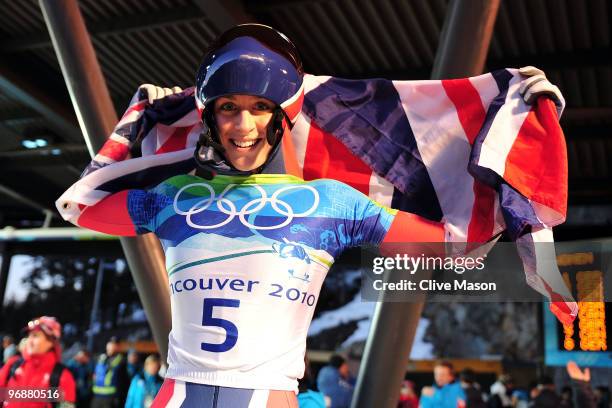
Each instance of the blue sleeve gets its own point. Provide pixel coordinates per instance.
(144, 207)
(364, 221)
(132, 400)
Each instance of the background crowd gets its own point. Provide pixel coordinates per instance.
(114, 379)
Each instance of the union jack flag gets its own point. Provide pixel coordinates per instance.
(467, 152)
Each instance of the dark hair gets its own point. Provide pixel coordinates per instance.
(307, 381)
(467, 375)
(336, 360)
(153, 358)
(445, 363)
(546, 380)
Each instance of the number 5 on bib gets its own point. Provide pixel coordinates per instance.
(230, 328)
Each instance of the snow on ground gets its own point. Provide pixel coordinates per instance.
(360, 311)
(16, 291)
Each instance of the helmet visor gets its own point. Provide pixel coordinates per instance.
(274, 40)
(243, 62)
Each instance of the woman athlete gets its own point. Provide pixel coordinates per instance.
(248, 247)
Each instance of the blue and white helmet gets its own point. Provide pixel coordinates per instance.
(252, 59)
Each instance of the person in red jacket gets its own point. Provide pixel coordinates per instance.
(39, 367)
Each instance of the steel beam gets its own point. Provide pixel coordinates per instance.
(18, 113)
(53, 234)
(110, 27)
(224, 14)
(463, 48)
(97, 117)
(8, 133)
(596, 57)
(55, 155)
(60, 117)
(465, 38)
(9, 192)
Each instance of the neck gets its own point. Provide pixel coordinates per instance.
(210, 163)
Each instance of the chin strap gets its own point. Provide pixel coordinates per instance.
(275, 131)
(209, 151)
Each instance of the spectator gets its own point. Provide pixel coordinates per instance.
(533, 391)
(473, 394)
(82, 369)
(307, 397)
(602, 396)
(520, 398)
(334, 382)
(446, 392)
(22, 345)
(585, 397)
(567, 397)
(547, 396)
(501, 392)
(110, 378)
(133, 364)
(9, 348)
(40, 365)
(408, 397)
(145, 385)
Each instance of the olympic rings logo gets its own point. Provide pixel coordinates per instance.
(227, 207)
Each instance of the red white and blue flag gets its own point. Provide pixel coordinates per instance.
(467, 152)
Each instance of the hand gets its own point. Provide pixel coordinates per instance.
(537, 85)
(576, 374)
(151, 93)
(427, 391)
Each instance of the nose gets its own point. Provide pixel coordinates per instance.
(245, 122)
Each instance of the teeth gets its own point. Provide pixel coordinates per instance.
(246, 143)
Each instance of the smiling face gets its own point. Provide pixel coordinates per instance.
(242, 122)
(443, 375)
(38, 343)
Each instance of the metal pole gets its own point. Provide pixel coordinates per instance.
(97, 117)
(465, 39)
(462, 51)
(6, 191)
(93, 318)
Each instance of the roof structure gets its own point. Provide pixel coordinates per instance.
(162, 42)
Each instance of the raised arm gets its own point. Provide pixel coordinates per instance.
(125, 213)
(110, 216)
(368, 222)
(407, 227)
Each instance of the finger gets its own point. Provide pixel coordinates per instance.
(537, 89)
(161, 92)
(143, 91)
(176, 89)
(167, 91)
(146, 86)
(152, 93)
(529, 82)
(587, 374)
(543, 88)
(530, 70)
